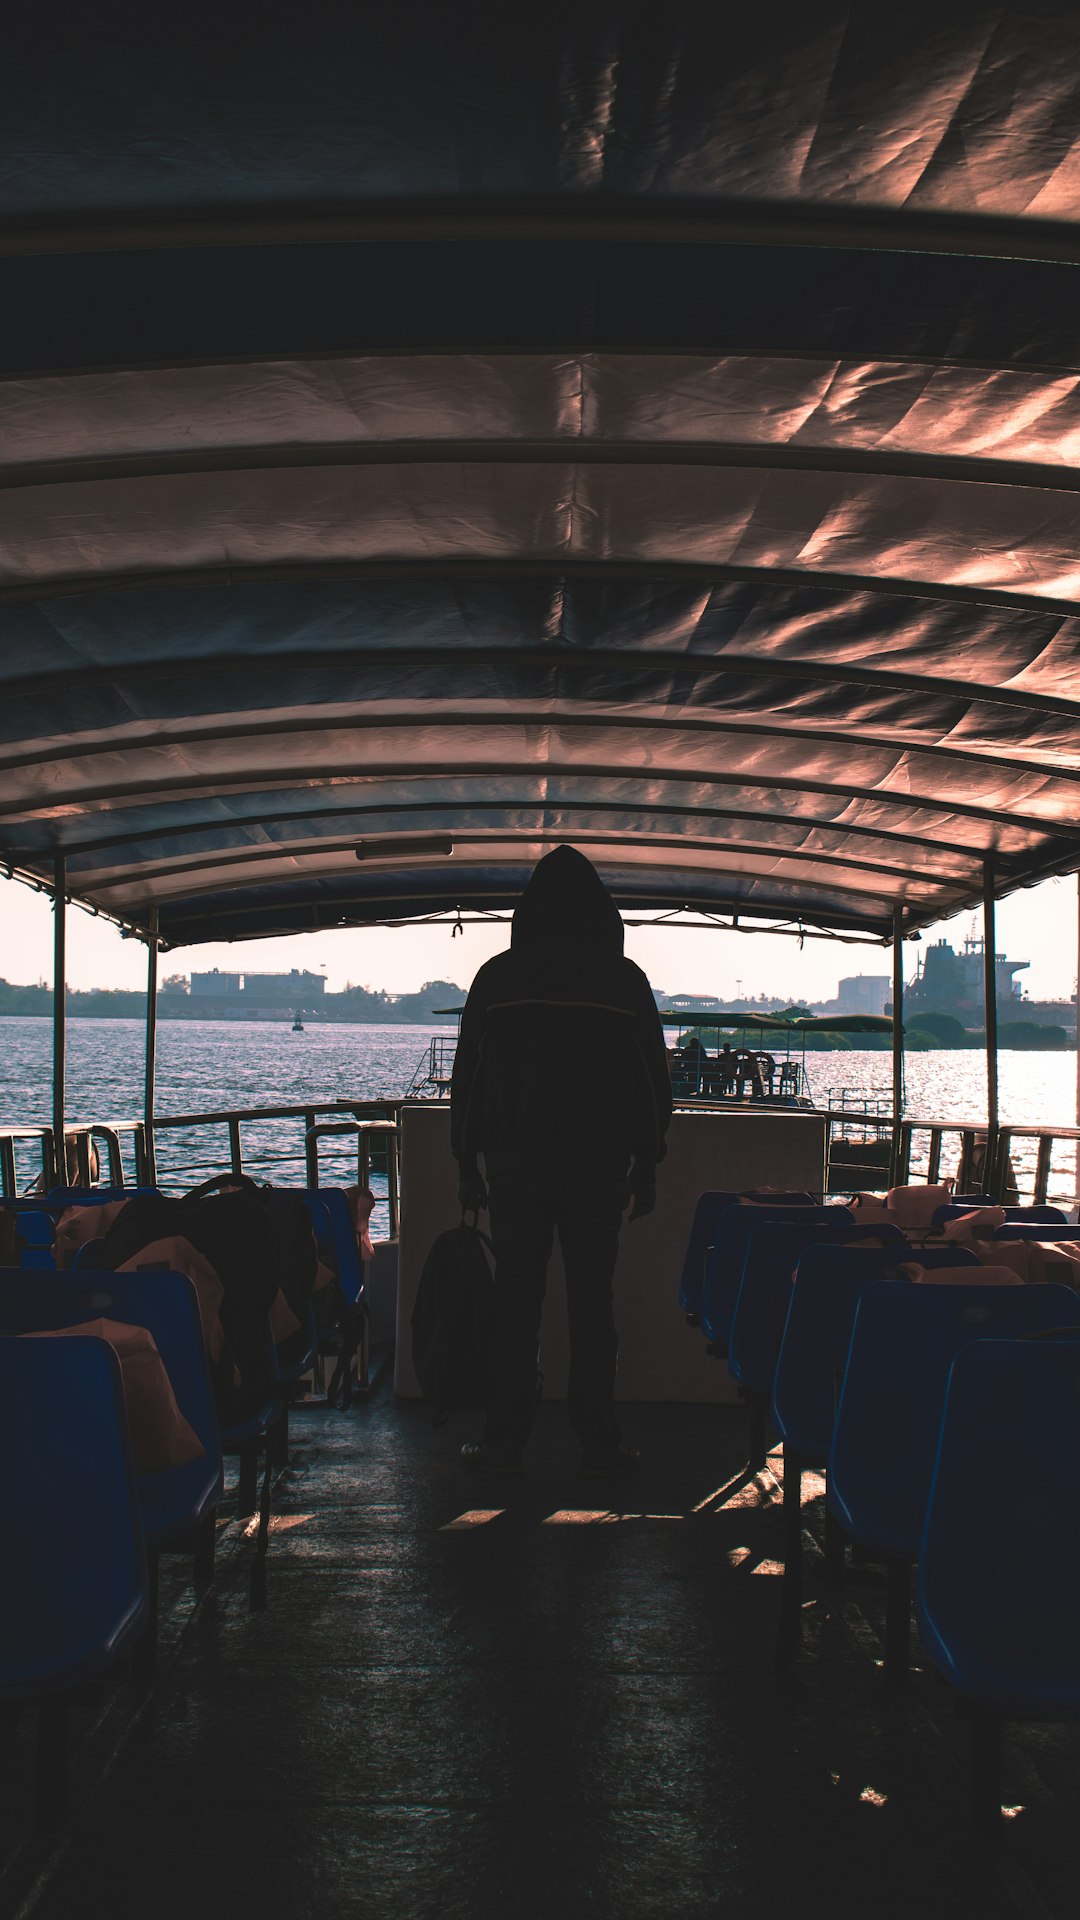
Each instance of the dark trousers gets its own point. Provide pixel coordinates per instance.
(525, 1212)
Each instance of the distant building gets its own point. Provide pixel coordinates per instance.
(215, 986)
(293, 989)
(254, 996)
(862, 993)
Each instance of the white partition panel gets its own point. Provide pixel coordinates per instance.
(660, 1357)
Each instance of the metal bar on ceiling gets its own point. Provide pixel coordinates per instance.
(360, 810)
(676, 222)
(778, 456)
(799, 672)
(296, 850)
(369, 718)
(219, 782)
(655, 571)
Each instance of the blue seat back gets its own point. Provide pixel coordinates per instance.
(903, 1343)
(328, 1205)
(773, 1253)
(35, 1235)
(75, 1581)
(167, 1305)
(724, 1267)
(999, 1560)
(955, 1209)
(702, 1228)
(59, 1197)
(1025, 1230)
(817, 1334)
(87, 1256)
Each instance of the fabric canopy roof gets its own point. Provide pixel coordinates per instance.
(450, 434)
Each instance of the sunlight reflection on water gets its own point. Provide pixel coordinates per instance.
(209, 1064)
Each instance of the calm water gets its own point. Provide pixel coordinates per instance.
(208, 1064)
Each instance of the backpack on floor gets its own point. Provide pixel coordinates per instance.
(451, 1323)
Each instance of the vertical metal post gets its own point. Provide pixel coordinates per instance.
(990, 1181)
(150, 1062)
(897, 1038)
(59, 1061)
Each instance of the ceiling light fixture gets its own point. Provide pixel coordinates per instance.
(404, 847)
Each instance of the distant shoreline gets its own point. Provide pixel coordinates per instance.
(274, 1016)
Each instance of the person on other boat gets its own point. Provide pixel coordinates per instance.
(561, 1083)
(748, 1074)
(727, 1064)
(694, 1062)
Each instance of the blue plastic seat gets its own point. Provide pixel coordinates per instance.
(87, 1257)
(346, 1339)
(772, 1255)
(35, 1237)
(829, 1282)
(956, 1208)
(724, 1268)
(60, 1197)
(903, 1343)
(178, 1504)
(757, 1323)
(692, 1279)
(999, 1562)
(1031, 1230)
(75, 1596)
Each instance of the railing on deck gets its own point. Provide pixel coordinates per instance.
(1041, 1163)
(288, 1137)
(95, 1154)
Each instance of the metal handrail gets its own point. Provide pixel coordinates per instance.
(365, 1131)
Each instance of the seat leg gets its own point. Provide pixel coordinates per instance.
(789, 1633)
(835, 1542)
(249, 1477)
(205, 1550)
(985, 1773)
(280, 1437)
(52, 1764)
(898, 1623)
(759, 1432)
(144, 1654)
(257, 1584)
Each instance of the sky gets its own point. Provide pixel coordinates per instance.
(1038, 924)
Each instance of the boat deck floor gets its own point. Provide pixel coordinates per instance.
(544, 1697)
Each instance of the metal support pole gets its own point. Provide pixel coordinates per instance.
(990, 1180)
(150, 1063)
(897, 1038)
(59, 1062)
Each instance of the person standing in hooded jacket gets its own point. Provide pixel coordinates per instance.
(561, 1083)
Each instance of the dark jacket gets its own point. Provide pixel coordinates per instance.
(561, 1061)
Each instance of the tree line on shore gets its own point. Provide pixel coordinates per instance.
(357, 1004)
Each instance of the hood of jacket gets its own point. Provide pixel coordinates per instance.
(565, 899)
